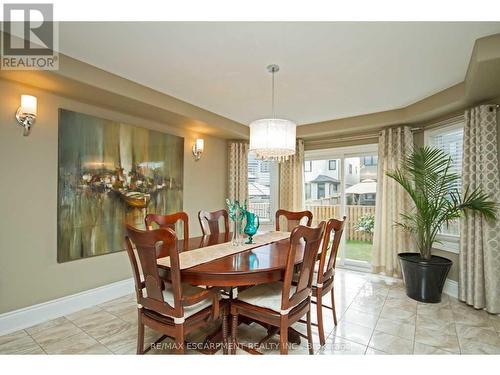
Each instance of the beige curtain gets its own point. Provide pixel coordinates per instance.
(292, 180)
(388, 240)
(238, 170)
(479, 259)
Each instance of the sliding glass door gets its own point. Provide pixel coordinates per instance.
(342, 182)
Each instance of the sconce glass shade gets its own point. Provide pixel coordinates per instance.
(26, 113)
(200, 145)
(28, 105)
(273, 139)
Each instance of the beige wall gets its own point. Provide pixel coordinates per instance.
(30, 273)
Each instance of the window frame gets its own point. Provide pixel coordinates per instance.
(334, 165)
(449, 242)
(341, 154)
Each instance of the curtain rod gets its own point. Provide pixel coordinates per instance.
(355, 137)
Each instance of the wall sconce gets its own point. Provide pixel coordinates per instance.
(198, 147)
(26, 113)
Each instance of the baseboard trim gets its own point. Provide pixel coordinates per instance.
(29, 316)
(451, 288)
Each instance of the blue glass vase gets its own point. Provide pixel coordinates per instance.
(251, 226)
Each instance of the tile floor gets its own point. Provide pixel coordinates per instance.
(375, 317)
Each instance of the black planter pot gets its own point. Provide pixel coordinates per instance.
(424, 279)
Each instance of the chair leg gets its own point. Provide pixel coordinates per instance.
(140, 335)
(179, 338)
(224, 330)
(234, 333)
(333, 307)
(319, 314)
(310, 343)
(284, 335)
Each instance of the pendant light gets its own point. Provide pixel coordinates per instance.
(273, 138)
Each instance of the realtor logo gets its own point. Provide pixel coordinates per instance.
(29, 38)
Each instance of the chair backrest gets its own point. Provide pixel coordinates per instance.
(293, 219)
(310, 240)
(151, 245)
(330, 249)
(209, 221)
(169, 221)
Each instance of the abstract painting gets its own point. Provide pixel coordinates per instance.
(111, 174)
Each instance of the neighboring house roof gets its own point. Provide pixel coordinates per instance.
(364, 187)
(256, 189)
(323, 178)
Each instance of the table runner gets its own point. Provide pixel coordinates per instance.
(206, 254)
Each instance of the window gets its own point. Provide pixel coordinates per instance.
(334, 193)
(369, 161)
(262, 187)
(308, 166)
(449, 139)
(321, 190)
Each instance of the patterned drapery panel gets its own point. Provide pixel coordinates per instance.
(388, 240)
(479, 260)
(238, 170)
(292, 180)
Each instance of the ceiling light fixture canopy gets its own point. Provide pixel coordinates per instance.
(273, 138)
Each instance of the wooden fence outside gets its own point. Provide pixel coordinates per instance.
(325, 212)
(261, 209)
(353, 214)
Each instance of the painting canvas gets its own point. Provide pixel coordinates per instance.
(111, 174)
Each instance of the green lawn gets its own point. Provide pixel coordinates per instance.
(358, 250)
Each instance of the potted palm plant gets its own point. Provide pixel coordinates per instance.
(428, 178)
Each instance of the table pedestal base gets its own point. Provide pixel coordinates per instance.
(214, 342)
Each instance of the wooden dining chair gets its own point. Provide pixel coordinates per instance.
(281, 304)
(209, 221)
(293, 219)
(323, 279)
(173, 308)
(170, 221)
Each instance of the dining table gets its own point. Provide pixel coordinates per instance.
(262, 262)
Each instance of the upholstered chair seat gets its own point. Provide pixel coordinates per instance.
(187, 290)
(265, 295)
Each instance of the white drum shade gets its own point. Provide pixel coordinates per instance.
(273, 138)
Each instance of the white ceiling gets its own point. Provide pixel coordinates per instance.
(328, 70)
